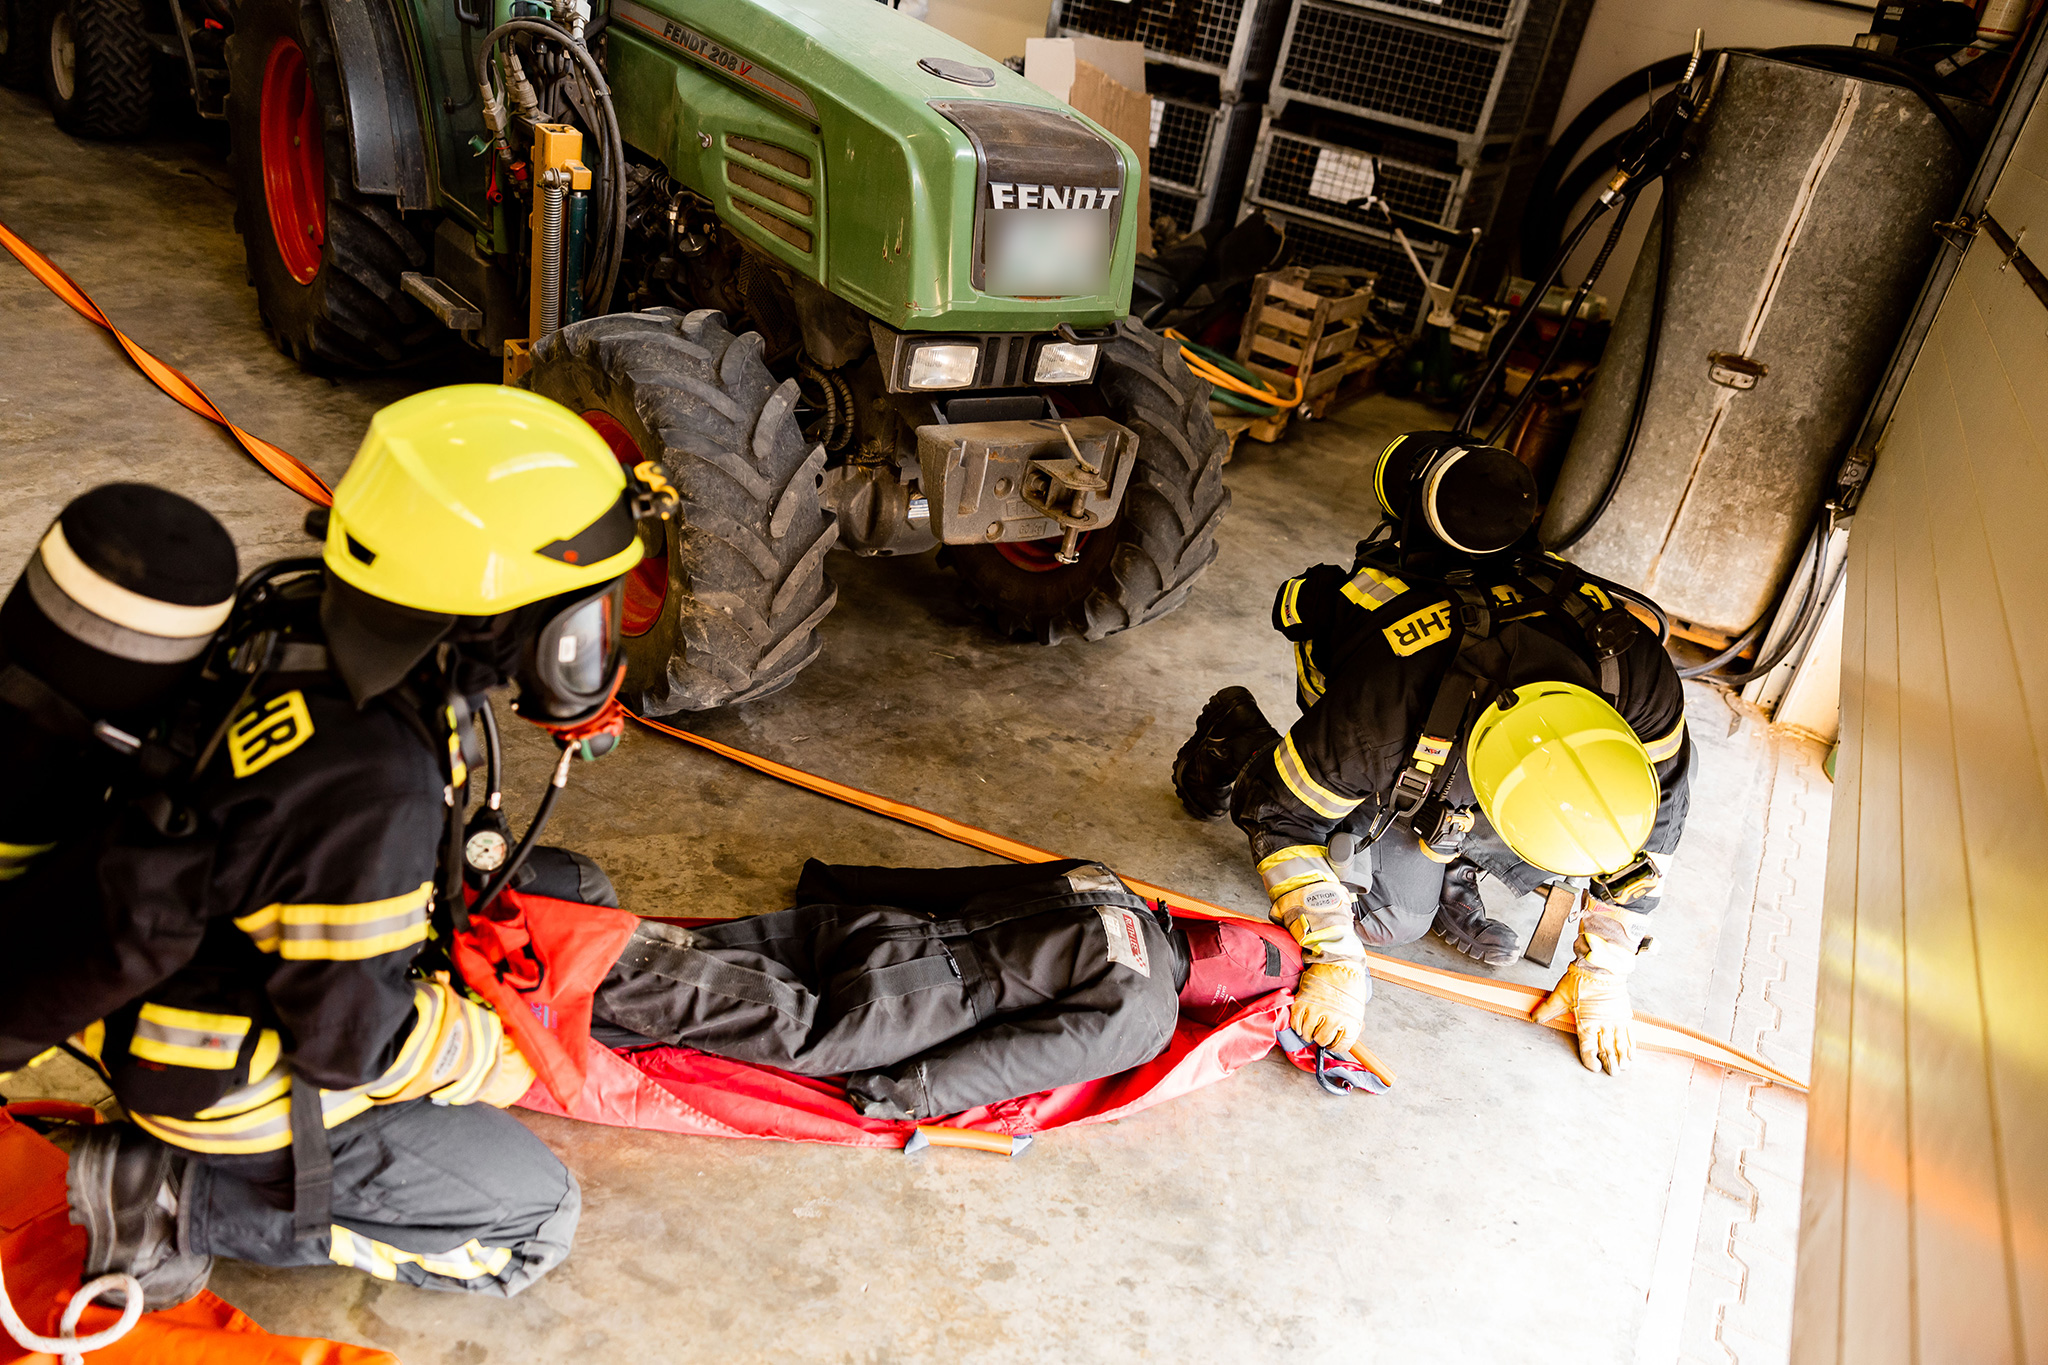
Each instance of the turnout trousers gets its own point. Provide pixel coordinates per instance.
(1399, 901)
(455, 1198)
(1004, 982)
(459, 1198)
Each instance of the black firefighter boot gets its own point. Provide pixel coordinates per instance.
(1461, 918)
(1229, 733)
(125, 1190)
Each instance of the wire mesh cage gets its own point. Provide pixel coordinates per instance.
(1177, 208)
(1398, 294)
(1432, 80)
(1494, 18)
(1199, 155)
(1471, 82)
(1298, 172)
(1233, 39)
(1182, 132)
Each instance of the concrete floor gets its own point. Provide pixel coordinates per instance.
(1499, 1204)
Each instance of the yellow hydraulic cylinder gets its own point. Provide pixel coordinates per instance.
(558, 171)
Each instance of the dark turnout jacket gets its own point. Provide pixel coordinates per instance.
(931, 990)
(1371, 649)
(281, 929)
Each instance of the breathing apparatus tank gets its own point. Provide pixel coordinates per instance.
(111, 616)
(1446, 492)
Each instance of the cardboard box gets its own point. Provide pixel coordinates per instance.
(1104, 80)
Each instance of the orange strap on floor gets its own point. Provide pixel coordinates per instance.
(285, 468)
(1498, 997)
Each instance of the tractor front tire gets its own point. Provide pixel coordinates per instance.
(96, 67)
(324, 258)
(1164, 538)
(727, 611)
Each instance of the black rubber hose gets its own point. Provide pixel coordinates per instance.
(1810, 603)
(1855, 60)
(1564, 329)
(527, 843)
(1747, 639)
(603, 275)
(494, 756)
(1667, 218)
(1523, 314)
(1541, 223)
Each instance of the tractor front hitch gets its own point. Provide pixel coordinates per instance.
(992, 482)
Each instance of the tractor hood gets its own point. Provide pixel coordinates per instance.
(901, 169)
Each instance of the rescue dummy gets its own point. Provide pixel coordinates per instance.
(236, 946)
(933, 991)
(1469, 704)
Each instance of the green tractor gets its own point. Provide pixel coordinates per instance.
(848, 284)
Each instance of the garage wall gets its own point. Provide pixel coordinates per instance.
(1925, 1228)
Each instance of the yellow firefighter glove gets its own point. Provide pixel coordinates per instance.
(1329, 1004)
(456, 1054)
(1313, 906)
(1595, 989)
(511, 1078)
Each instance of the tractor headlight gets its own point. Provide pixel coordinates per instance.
(1061, 362)
(949, 365)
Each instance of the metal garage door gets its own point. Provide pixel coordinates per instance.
(1925, 1229)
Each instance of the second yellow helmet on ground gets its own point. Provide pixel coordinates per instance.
(475, 499)
(1563, 779)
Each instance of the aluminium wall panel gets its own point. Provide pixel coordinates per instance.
(1925, 1223)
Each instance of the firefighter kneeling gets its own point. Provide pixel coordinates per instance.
(238, 941)
(1469, 704)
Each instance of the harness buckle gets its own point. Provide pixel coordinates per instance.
(1410, 791)
(1631, 883)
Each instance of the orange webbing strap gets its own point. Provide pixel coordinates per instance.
(1499, 997)
(284, 467)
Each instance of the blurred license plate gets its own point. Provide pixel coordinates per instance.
(1048, 253)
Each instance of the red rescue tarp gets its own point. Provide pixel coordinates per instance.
(682, 1090)
(43, 1254)
(538, 967)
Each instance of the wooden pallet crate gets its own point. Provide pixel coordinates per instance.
(1306, 322)
(1236, 425)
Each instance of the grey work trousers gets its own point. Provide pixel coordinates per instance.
(460, 1198)
(1400, 898)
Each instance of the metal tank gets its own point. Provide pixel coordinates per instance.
(1802, 231)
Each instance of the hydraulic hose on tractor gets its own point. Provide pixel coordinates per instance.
(1496, 997)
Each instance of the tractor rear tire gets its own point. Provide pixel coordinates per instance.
(1164, 538)
(324, 258)
(728, 610)
(96, 67)
(22, 43)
